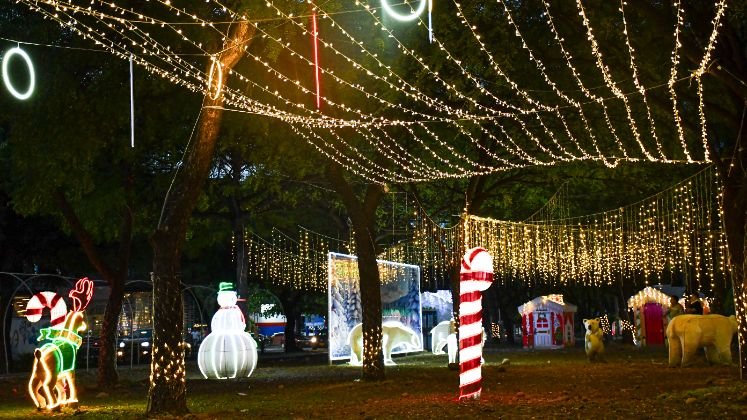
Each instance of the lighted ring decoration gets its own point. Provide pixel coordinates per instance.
(219, 83)
(6, 76)
(399, 16)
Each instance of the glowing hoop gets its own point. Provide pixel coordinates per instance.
(6, 77)
(399, 16)
(219, 84)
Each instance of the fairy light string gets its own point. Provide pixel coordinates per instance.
(673, 76)
(522, 129)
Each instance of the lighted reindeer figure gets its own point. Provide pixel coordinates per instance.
(52, 381)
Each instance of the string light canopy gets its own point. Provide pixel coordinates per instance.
(373, 101)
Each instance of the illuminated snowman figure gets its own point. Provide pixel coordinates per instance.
(228, 351)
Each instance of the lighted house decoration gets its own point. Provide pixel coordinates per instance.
(649, 308)
(52, 382)
(547, 322)
(228, 351)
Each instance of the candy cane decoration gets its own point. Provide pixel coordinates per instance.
(51, 300)
(475, 276)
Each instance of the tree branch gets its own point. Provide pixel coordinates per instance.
(84, 237)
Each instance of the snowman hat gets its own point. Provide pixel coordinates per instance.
(226, 286)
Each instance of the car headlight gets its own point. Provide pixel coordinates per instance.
(144, 344)
(121, 344)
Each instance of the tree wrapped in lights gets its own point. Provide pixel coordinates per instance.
(228, 351)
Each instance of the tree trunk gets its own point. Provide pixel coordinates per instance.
(363, 215)
(454, 279)
(107, 367)
(168, 387)
(734, 207)
(289, 299)
(240, 253)
(368, 270)
(6, 289)
(168, 392)
(107, 370)
(242, 266)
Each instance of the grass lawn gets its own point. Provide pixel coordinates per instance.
(554, 383)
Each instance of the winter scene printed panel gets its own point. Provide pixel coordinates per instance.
(400, 301)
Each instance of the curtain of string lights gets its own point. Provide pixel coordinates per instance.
(675, 233)
(512, 125)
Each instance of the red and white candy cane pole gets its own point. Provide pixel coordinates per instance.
(475, 276)
(51, 300)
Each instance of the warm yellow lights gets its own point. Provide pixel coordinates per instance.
(649, 295)
(514, 126)
(215, 76)
(676, 231)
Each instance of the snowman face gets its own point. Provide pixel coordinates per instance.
(227, 298)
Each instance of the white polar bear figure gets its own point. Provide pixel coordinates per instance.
(439, 337)
(393, 333)
(687, 333)
(453, 347)
(444, 334)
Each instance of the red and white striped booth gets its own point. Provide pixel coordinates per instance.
(547, 322)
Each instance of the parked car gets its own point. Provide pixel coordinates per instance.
(303, 341)
(138, 347)
(277, 339)
(135, 348)
(318, 341)
(314, 341)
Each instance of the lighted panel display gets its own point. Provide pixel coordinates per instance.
(400, 301)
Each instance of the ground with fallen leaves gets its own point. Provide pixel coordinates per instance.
(552, 383)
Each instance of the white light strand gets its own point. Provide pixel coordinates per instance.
(610, 82)
(637, 83)
(162, 60)
(720, 10)
(673, 77)
(541, 67)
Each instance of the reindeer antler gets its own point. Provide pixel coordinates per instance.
(81, 294)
